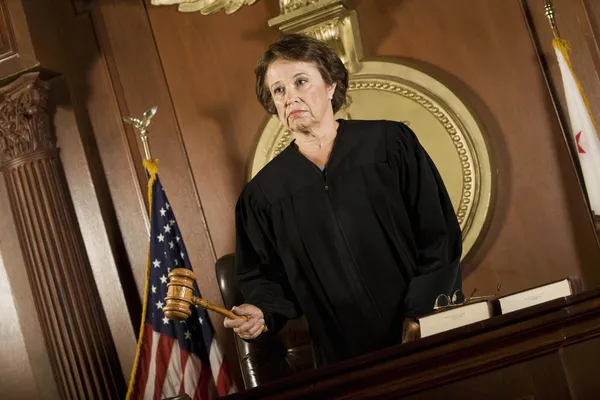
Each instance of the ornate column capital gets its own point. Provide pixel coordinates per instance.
(24, 122)
(332, 21)
(287, 6)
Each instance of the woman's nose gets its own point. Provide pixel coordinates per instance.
(291, 96)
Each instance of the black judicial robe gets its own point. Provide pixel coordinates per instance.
(357, 247)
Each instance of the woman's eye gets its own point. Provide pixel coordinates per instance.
(300, 82)
(278, 90)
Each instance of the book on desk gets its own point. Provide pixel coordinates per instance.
(452, 316)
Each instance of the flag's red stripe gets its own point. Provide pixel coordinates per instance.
(223, 380)
(143, 368)
(184, 357)
(163, 356)
(202, 392)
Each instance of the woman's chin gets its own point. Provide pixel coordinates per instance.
(299, 124)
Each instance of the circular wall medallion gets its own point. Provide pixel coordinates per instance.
(444, 125)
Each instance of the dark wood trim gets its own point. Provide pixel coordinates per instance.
(448, 357)
(594, 41)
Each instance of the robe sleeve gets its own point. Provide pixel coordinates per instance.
(259, 269)
(435, 228)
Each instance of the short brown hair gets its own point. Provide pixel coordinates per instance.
(299, 47)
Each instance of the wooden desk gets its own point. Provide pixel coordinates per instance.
(550, 351)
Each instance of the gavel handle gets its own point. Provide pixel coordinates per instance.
(209, 306)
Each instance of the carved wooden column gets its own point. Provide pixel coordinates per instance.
(80, 347)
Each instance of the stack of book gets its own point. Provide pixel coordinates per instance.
(456, 315)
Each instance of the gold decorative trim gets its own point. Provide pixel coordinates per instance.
(205, 7)
(24, 121)
(287, 6)
(457, 137)
(327, 20)
(471, 159)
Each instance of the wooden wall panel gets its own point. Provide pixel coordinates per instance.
(483, 51)
(540, 230)
(198, 69)
(136, 71)
(209, 67)
(16, 51)
(127, 56)
(137, 77)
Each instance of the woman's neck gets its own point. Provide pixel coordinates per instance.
(317, 139)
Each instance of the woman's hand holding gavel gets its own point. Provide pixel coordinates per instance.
(250, 328)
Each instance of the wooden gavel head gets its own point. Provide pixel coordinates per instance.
(180, 294)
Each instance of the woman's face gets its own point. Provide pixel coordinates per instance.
(301, 96)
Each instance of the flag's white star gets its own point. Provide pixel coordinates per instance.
(165, 320)
(156, 263)
(200, 320)
(161, 238)
(153, 289)
(163, 212)
(163, 279)
(176, 262)
(172, 222)
(168, 269)
(159, 305)
(178, 238)
(167, 228)
(171, 244)
(188, 335)
(182, 255)
(167, 205)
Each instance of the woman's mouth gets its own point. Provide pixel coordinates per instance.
(295, 113)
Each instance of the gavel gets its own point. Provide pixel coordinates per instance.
(180, 296)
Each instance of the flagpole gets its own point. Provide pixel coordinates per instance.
(142, 126)
(549, 12)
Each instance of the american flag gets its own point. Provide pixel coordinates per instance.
(173, 357)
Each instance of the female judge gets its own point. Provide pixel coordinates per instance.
(350, 225)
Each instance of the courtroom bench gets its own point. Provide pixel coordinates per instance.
(549, 351)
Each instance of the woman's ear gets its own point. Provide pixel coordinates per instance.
(331, 90)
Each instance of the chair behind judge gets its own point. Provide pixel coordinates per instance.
(266, 360)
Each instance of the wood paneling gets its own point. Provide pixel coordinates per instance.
(517, 356)
(210, 75)
(126, 56)
(540, 229)
(198, 70)
(484, 52)
(16, 51)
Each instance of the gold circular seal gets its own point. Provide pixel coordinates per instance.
(444, 125)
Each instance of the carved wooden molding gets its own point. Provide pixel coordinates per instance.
(76, 333)
(287, 6)
(207, 7)
(24, 123)
(331, 21)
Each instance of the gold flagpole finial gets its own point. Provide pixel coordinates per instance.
(549, 12)
(142, 126)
